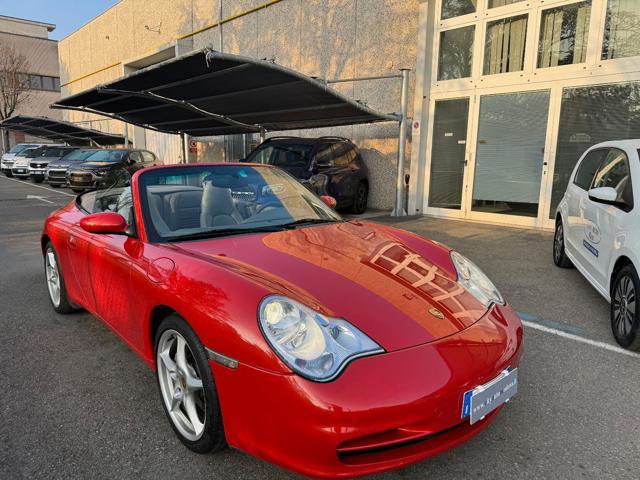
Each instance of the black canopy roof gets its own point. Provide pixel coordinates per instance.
(60, 131)
(210, 93)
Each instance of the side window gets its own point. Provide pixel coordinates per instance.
(588, 168)
(340, 155)
(135, 157)
(324, 157)
(148, 157)
(615, 173)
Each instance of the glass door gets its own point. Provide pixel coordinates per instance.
(448, 154)
(510, 155)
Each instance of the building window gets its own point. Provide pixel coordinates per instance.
(564, 32)
(621, 29)
(41, 82)
(502, 3)
(588, 116)
(36, 82)
(455, 8)
(456, 53)
(505, 45)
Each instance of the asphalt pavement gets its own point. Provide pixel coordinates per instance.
(75, 402)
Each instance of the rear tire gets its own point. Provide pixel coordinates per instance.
(360, 199)
(188, 391)
(625, 317)
(55, 281)
(559, 254)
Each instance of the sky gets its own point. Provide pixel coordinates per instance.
(68, 15)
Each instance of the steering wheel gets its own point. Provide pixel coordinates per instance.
(267, 205)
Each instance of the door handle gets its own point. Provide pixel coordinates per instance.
(72, 241)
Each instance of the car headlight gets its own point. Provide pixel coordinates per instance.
(475, 281)
(313, 345)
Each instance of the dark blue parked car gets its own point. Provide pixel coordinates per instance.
(327, 165)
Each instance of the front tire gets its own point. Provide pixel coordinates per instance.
(38, 180)
(187, 388)
(625, 317)
(8, 173)
(55, 281)
(559, 254)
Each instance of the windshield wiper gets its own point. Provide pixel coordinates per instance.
(223, 232)
(307, 221)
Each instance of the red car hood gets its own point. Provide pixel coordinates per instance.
(398, 288)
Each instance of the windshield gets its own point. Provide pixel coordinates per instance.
(107, 156)
(79, 155)
(33, 152)
(56, 151)
(282, 155)
(20, 147)
(182, 203)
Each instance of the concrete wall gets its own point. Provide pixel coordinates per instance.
(325, 38)
(42, 56)
(25, 27)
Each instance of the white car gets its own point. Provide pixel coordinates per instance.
(7, 159)
(20, 167)
(598, 230)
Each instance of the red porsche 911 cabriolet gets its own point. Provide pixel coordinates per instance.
(330, 347)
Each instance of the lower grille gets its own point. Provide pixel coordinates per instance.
(58, 174)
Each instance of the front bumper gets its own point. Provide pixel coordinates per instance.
(82, 180)
(383, 412)
(20, 171)
(56, 177)
(36, 172)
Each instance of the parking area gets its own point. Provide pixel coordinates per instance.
(77, 403)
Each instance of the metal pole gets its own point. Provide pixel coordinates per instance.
(185, 148)
(400, 209)
(4, 140)
(263, 135)
(220, 25)
(126, 135)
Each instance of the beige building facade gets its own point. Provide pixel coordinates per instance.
(506, 94)
(31, 39)
(333, 39)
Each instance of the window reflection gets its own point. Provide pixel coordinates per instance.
(564, 33)
(455, 8)
(621, 29)
(588, 116)
(456, 53)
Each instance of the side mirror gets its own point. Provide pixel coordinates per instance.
(606, 195)
(104, 222)
(329, 201)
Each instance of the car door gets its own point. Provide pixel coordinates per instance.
(604, 225)
(576, 197)
(104, 262)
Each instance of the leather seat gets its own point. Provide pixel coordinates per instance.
(182, 209)
(218, 207)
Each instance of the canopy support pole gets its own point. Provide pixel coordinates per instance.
(185, 148)
(263, 135)
(400, 209)
(126, 135)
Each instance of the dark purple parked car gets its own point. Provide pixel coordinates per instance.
(327, 165)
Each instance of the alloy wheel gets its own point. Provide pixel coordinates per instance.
(181, 385)
(53, 277)
(624, 305)
(558, 242)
